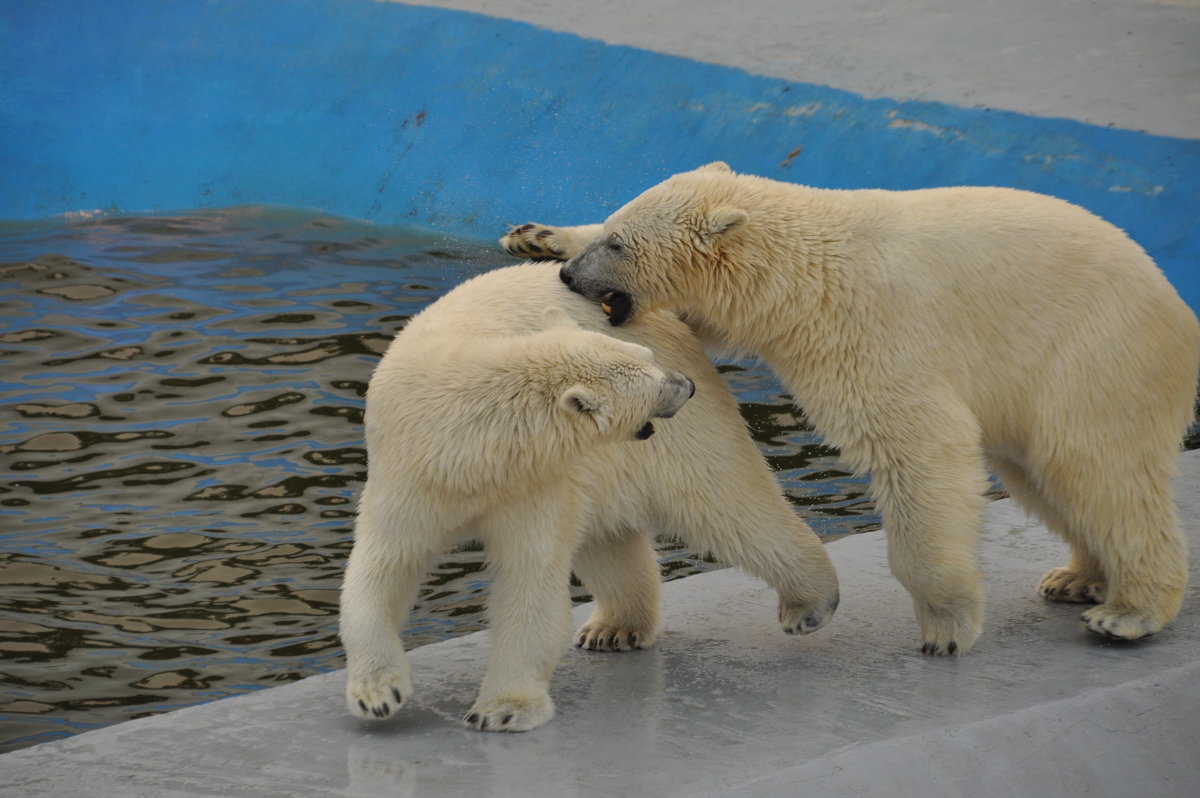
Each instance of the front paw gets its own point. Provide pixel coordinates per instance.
(594, 636)
(950, 630)
(511, 713)
(378, 694)
(535, 241)
(802, 617)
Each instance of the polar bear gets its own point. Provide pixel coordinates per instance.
(933, 335)
(510, 412)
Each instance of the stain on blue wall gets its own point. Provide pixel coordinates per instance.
(463, 123)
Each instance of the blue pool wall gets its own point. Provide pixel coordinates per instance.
(462, 124)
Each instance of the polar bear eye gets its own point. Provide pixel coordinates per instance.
(616, 247)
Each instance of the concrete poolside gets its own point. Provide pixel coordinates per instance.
(725, 704)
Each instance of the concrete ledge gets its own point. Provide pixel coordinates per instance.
(724, 705)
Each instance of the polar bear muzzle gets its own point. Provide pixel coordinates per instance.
(585, 274)
(618, 306)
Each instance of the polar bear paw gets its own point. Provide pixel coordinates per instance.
(536, 242)
(379, 694)
(800, 618)
(1118, 623)
(1065, 584)
(510, 713)
(594, 636)
(950, 631)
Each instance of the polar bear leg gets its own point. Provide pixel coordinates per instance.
(542, 242)
(753, 527)
(1081, 580)
(529, 541)
(621, 571)
(382, 578)
(1128, 521)
(931, 498)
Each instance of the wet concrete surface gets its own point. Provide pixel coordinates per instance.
(725, 704)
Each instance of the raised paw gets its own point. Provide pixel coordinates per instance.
(511, 714)
(594, 636)
(950, 631)
(800, 618)
(1066, 584)
(379, 695)
(535, 241)
(1119, 624)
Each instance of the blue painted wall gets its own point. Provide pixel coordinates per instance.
(463, 123)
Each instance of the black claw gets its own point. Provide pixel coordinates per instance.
(952, 648)
(398, 697)
(473, 718)
(363, 705)
(507, 720)
(483, 723)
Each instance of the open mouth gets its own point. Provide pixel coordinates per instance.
(618, 306)
(645, 432)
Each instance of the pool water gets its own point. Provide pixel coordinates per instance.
(181, 445)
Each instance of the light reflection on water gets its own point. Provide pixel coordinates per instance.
(180, 447)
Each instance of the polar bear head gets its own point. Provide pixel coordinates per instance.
(610, 388)
(661, 248)
(481, 414)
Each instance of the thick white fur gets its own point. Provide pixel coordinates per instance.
(469, 438)
(933, 335)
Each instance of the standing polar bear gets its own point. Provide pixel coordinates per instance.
(932, 335)
(510, 412)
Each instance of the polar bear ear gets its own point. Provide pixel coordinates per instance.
(724, 219)
(715, 166)
(554, 317)
(584, 401)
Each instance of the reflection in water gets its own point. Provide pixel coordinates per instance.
(180, 447)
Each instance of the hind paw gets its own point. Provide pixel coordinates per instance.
(800, 618)
(1119, 624)
(1066, 584)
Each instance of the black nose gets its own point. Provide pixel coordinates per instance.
(566, 278)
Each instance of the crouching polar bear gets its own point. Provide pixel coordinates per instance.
(510, 412)
(933, 335)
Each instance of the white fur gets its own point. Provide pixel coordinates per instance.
(933, 335)
(506, 412)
